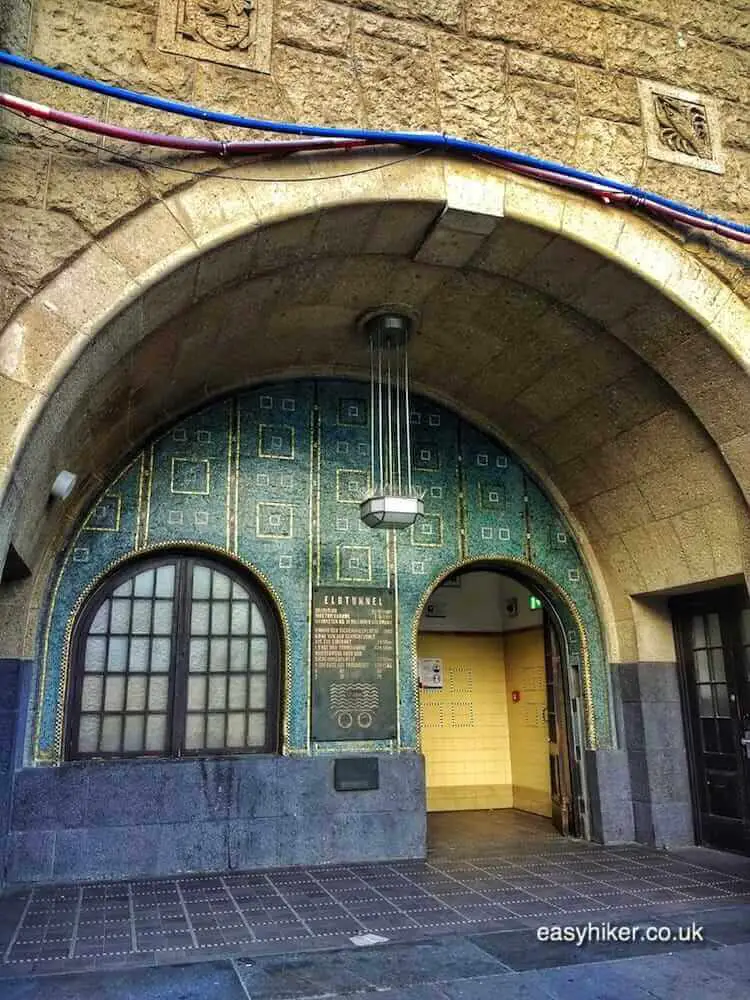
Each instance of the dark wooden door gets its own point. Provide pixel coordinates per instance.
(713, 638)
(564, 812)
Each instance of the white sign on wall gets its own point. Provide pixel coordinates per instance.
(431, 673)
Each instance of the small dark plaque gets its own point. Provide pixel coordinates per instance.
(353, 664)
(356, 774)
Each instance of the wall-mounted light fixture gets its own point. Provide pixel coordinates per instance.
(393, 503)
(63, 485)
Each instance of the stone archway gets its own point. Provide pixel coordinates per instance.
(557, 667)
(576, 625)
(526, 252)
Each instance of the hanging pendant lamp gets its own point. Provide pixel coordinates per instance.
(393, 503)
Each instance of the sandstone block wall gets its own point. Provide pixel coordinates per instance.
(549, 77)
(554, 78)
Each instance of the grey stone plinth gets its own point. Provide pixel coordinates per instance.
(610, 796)
(10, 688)
(98, 820)
(651, 732)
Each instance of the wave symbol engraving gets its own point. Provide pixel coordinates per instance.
(350, 702)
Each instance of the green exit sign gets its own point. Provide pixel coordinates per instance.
(534, 603)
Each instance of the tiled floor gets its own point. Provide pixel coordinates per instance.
(489, 831)
(469, 884)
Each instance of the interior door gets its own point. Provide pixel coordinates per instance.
(713, 636)
(564, 815)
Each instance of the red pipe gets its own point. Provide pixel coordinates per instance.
(214, 146)
(217, 147)
(612, 195)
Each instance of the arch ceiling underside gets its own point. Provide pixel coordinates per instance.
(626, 407)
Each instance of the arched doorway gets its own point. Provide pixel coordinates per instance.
(500, 719)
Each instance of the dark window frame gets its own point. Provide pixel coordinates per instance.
(184, 561)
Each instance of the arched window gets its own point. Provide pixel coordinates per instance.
(172, 656)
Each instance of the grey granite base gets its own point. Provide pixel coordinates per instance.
(103, 820)
(10, 679)
(610, 798)
(651, 730)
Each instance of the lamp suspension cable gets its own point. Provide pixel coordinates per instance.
(398, 417)
(392, 502)
(380, 407)
(407, 420)
(373, 476)
(389, 486)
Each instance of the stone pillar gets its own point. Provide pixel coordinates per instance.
(651, 730)
(610, 798)
(10, 682)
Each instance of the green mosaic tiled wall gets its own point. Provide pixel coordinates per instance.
(273, 476)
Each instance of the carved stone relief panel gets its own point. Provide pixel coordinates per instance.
(681, 126)
(233, 32)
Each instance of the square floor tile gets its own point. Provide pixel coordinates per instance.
(296, 976)
(274, 932)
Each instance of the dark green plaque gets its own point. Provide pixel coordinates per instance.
(353, 664)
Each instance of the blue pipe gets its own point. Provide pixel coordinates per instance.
(429, 139)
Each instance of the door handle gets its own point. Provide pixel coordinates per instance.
(745, 743)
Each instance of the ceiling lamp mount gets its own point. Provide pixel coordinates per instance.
(393, 502)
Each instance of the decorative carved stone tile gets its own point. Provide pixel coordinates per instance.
(232, 32)
(681, 126)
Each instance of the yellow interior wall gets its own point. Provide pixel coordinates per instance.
(481, 750)
(529, 747)
(464, 725)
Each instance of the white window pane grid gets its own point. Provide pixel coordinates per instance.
(240, 624)
(91, 698)
(88, 734)
(238, 654)
(219, 618)
(158, 694)
(215, 731)
(256, 729)
(221, 586)
(708, 660)
(144, 583)
(133, 739)
(125, 693)
(259, 655)
(127, 653)
(258, 626)
(165, 577)
(156, 733)
(219, 655)
(195, 731)
(229, 648)
(117, 653)
(201, 583)
(236, 725)
(101, 618)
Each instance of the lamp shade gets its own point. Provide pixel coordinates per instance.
(384, 511)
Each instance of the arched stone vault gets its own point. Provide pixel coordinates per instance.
(611, 360)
